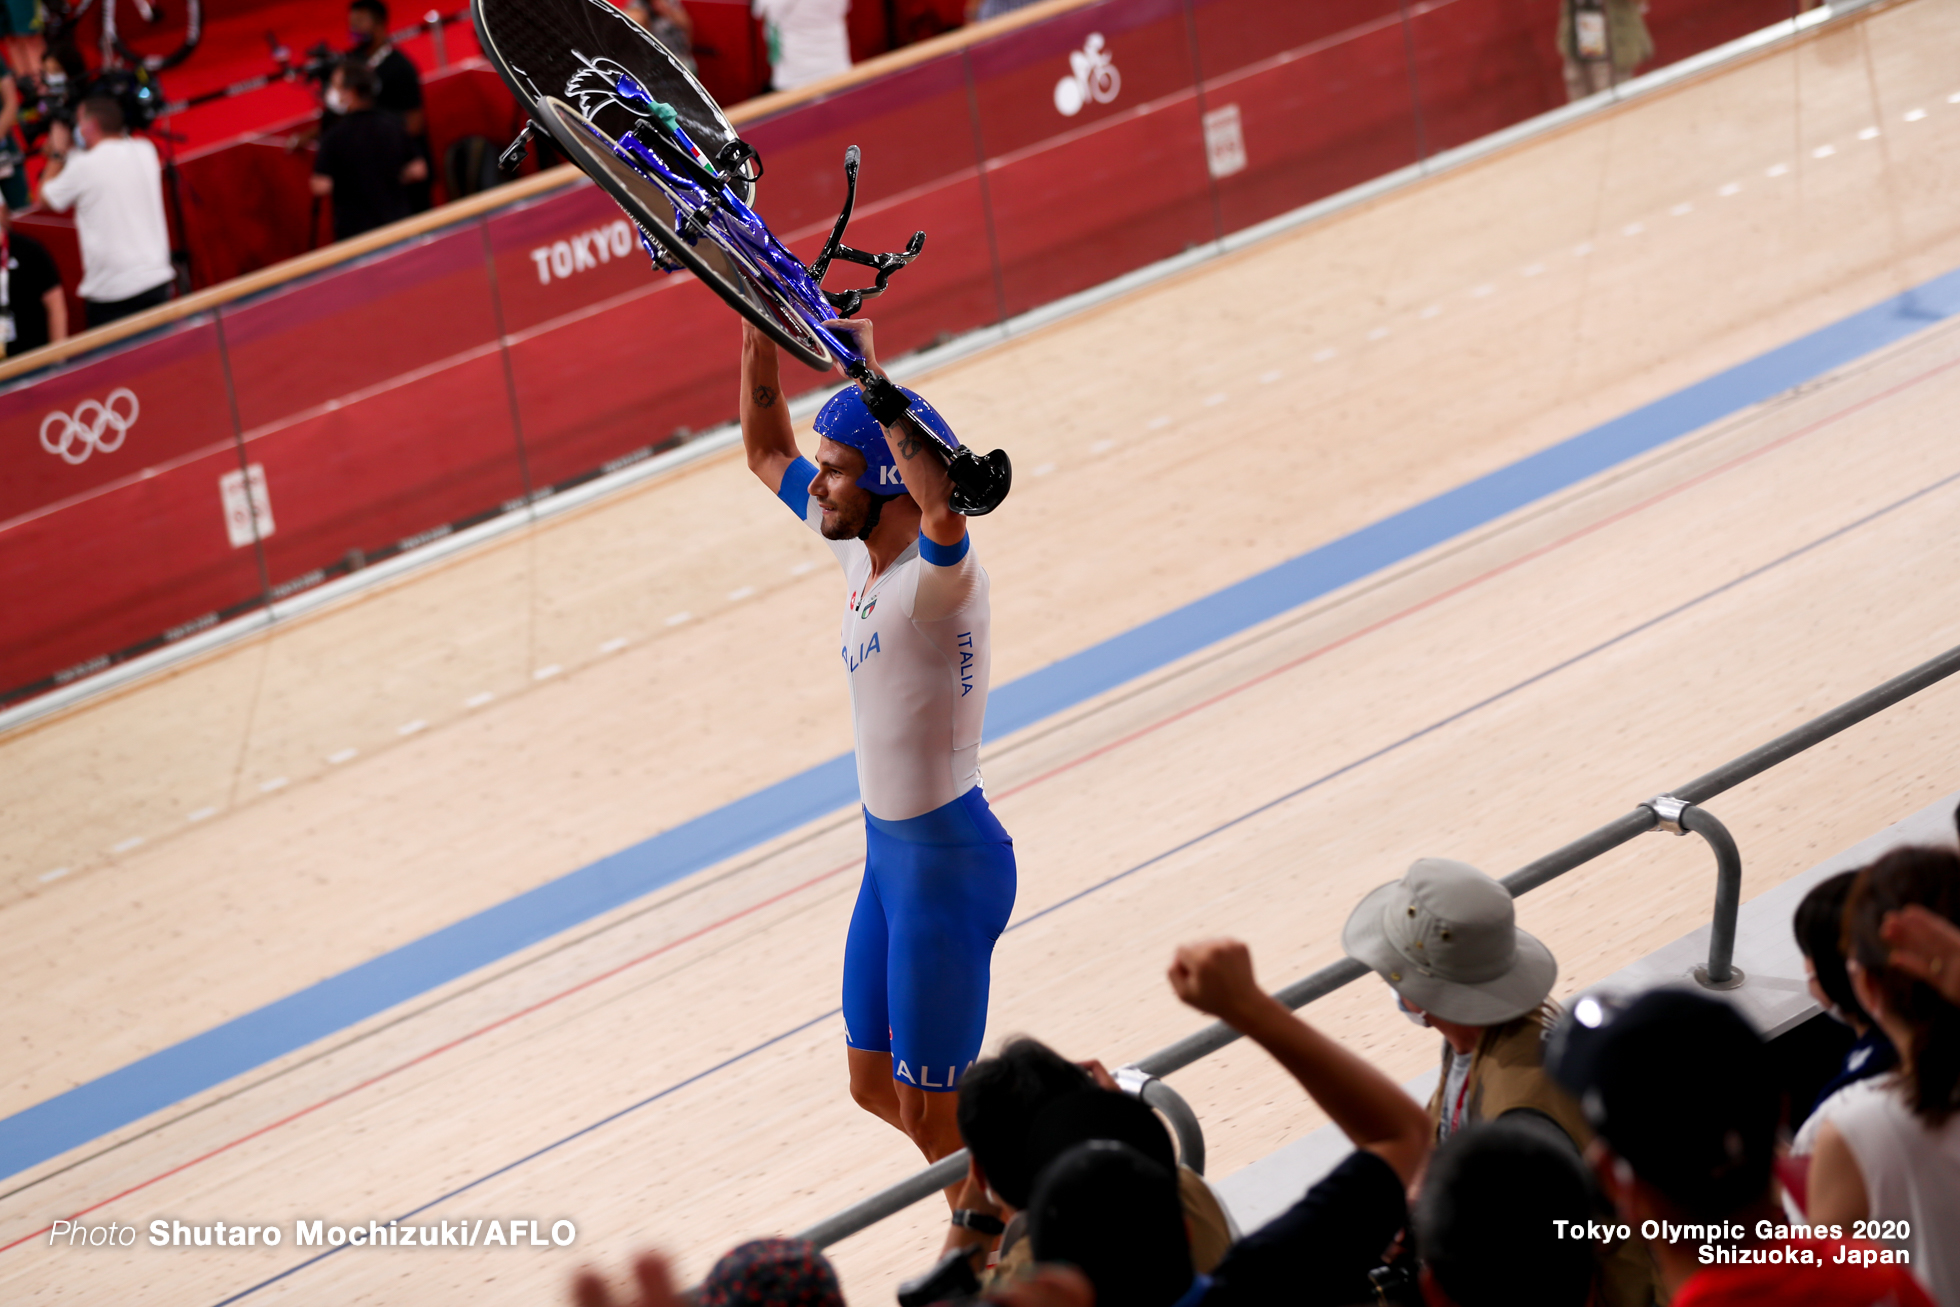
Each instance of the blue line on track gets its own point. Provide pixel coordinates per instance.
(173, 1074)
(1195, 840)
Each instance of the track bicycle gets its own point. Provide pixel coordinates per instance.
(635, 120)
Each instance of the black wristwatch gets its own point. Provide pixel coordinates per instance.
(979, 1222)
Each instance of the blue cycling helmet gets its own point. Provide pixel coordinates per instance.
(846, 420)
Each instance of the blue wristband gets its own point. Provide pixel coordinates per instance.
(943, 555)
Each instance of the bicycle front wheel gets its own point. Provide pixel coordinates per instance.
(755, 296)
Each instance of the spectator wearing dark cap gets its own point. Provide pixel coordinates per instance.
(1891, 1151)
(366, 160)
(1445, 938)
(1819, 926)
(1682, 1093)
(772, 1273)
(1001, 1098)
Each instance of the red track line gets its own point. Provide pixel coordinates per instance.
(1098, 752)
(444, 1048)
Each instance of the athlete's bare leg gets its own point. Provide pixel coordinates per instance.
(928, 1120)
(872, 1086)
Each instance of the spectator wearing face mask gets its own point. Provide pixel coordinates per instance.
(397, 83)
(366, 160)
(114, 182)
(1446, 940)
(1819, 927)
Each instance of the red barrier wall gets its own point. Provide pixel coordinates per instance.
(123, 539)
(455, 376)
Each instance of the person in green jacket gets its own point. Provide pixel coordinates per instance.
(1601, 42)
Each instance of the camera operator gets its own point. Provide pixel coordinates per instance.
(114, 182)
(398, 84)
(50, 96)
(397, 89)
(366, 160)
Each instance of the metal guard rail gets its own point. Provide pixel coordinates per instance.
(1677, 812)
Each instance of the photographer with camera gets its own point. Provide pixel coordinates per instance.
(49, 97)
(114, 182)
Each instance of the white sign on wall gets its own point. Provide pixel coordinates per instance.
(1224, 141)
(245, 499)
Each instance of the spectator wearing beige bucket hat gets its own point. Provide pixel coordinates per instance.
(1445, 938)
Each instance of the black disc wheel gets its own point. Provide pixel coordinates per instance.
(750, 293)
(576, 50)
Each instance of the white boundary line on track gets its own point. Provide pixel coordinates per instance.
(910, 366)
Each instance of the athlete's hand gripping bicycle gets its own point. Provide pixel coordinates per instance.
(639, 124)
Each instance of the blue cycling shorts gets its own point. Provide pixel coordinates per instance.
(937, 892)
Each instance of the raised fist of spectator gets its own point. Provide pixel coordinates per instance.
(1215, 977)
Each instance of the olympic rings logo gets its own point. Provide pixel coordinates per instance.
(94, 425)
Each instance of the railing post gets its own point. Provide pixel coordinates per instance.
(1678, 816)
(1155, 1093)
(433, 20)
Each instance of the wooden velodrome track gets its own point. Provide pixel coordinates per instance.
(1486, 699)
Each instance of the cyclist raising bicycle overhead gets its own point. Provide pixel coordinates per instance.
(939, 869)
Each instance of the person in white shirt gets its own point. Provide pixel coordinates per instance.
(114, 182)
(807, 40)
(1887, 1165)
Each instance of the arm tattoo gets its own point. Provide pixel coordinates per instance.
(765, 397)
(908, 443)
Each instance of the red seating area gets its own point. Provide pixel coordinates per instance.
(242, 194)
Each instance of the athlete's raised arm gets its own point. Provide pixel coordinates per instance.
(923, 471)
(768, 436)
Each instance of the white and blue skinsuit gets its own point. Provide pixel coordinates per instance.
(938, 870)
